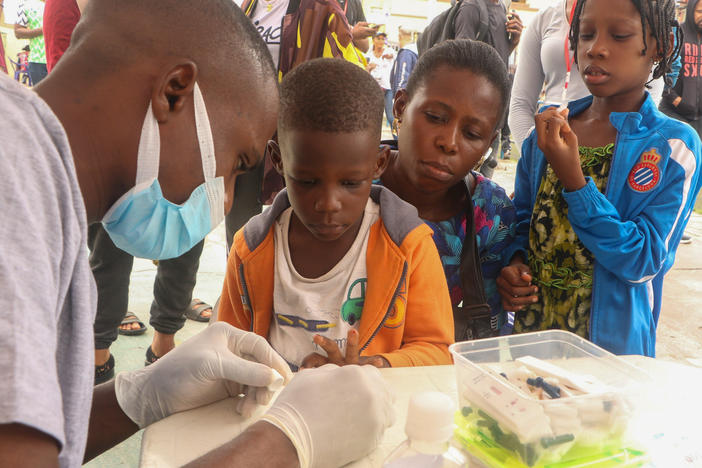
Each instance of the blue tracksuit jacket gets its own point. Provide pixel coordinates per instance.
(402, 68)
(634, 228)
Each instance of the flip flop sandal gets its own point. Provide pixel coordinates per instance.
(105, 372)
(129, 317)
(150, 357)
(197, 307)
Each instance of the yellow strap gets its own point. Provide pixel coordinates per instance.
(250, 7)
(349, 52)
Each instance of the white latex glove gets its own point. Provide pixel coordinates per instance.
(333, 415)
(219, 362)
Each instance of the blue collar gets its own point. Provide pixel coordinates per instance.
(633, 124)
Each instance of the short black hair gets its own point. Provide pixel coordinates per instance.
(659, 15)
(330, 95)
(464, 54)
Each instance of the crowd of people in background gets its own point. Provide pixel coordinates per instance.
(345, 266)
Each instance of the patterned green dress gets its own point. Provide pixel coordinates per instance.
(30, 14)
(562, 266)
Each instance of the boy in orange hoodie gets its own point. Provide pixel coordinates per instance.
(337, 270)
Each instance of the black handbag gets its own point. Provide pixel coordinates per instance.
(472, 319)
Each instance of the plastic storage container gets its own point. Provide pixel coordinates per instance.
(573, 412)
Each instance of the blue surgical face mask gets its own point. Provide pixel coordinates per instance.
(146, 225)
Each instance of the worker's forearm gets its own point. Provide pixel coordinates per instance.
(108, 424)
(261, 445)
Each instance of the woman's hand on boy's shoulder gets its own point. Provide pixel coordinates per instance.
(334, 355)
(515, 286)
(560, 147)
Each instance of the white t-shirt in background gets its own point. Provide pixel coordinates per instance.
(383, 66)
(268, 19)
(542, 66)
(330, 305)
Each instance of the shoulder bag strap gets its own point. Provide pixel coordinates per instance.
(473, 319)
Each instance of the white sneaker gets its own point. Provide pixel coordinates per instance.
(685, 239)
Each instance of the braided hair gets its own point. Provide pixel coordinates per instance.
(659, 15)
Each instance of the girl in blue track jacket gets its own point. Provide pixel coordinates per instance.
(604, 188)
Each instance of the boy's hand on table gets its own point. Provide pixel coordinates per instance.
(560, 146)
(514, 286)
(334, 356)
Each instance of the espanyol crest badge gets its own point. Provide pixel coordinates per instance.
(645, 174)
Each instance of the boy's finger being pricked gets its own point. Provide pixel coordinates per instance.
(331, 348)
(352, 349)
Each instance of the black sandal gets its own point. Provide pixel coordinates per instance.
(150, 357)
(129, 318)
(195, 310)
(105, 372)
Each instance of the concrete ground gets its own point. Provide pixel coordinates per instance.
(679, 333)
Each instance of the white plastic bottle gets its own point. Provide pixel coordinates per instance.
(429, 430)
